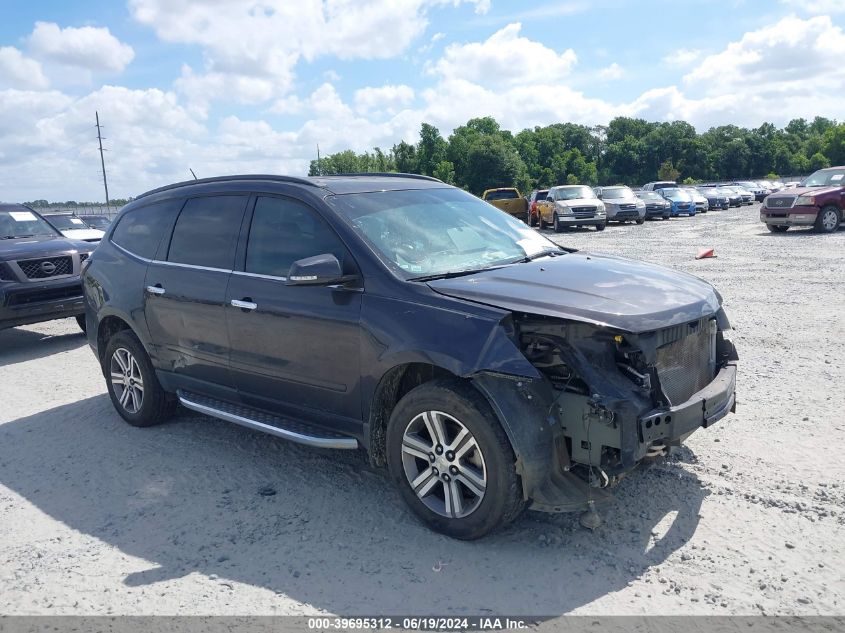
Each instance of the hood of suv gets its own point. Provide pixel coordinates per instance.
(800, 191)
(581, 202)
(40, 246)
(600, 289)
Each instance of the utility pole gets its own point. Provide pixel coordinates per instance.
(102, 160)
(319, 168)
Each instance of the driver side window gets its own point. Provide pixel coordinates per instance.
(284, 231)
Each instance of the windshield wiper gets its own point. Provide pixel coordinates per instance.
(533, 256)
(14, 237)
(452, 273)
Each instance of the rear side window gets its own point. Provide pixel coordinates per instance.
(284, 231)
(140, 231)
(206, 232)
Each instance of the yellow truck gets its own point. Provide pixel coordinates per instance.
(509, 200)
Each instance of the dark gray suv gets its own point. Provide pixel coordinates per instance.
(487, 367)
(39, 270)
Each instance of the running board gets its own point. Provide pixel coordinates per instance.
(265, 422)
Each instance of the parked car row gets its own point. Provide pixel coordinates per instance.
(567, 206)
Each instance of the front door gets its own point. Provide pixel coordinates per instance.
(185, 306)
(294, 349)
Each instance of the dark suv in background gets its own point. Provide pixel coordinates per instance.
(39, 270)
(487, 367)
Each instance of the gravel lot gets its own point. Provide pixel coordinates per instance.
(202, 517)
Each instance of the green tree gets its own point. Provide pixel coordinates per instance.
(445, 171)
(667, 171)
(834, 144)
(405, 158)
(492, 162)
(431, 150)
(818, 161)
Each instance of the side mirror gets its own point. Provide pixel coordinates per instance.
(320, 270)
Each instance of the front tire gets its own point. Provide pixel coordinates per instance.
(133, 387)
(640, 220)
(80, 321)
(827, 221)
(601, 227)
(558, 228)
(453, 463)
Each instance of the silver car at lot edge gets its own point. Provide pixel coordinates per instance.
(621, 204)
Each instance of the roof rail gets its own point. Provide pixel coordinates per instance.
(387, 174)
(200, 181)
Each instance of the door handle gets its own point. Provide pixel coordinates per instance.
(244, 304)
(155, 290)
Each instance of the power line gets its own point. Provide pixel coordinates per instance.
(102, 160)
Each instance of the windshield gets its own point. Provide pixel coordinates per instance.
(708, 192)
(426, 232)
(617, 192)
(726, 191)
(826, 178)
(678, 195)
(541, 195)
(506, 194)
(23, 223)
(65, 222)
(574, 193)
(96, 221)
(649, 195)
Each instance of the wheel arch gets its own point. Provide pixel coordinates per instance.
(109, 325)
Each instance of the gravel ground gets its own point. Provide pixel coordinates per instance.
(201, 517)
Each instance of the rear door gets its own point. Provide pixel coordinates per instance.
(186, 291)
(294, 349)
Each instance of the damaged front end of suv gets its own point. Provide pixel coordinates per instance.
(607, 400)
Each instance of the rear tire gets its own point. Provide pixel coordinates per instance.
(133, 387)
(828, 219)
(777, 228)
(423, 445)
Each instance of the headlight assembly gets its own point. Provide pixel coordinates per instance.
(805, 201)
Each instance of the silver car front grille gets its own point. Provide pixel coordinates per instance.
(583, 212)
(685, 363)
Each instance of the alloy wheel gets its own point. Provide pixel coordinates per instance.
(443, 464)
(126, 380)
(830, 219)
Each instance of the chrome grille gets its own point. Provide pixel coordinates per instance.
(583, 212)
(683, 364)
(783, 202)
(47, 267)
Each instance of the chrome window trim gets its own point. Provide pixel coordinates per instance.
(176, 264)
(244, 273)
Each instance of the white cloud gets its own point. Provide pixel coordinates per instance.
(784, 58)
(94, 49)
(505, 58)
(614, 71)
(265, 39)
(17, 70)
(682, 57)
(385, 98)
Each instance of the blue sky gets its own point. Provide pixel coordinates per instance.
(249, 85)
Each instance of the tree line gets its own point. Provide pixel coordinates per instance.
(481, 155)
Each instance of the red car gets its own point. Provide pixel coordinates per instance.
(533, 199)
(818, 201)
